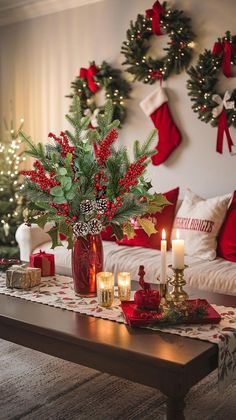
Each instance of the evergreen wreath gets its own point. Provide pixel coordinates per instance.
(99, 77)
(158, 20)
(203, 81)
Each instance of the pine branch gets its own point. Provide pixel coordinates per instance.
(130, 208)
(146, 145)
(29, 142)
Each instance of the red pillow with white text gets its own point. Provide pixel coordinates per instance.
(163, 220)
(227, 236)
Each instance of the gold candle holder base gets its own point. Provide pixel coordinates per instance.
(163, 289)
(177, 296)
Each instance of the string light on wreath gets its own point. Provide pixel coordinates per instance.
(219, 109)
(95, 78)
(159, 20)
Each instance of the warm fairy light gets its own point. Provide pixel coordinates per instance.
(163, 236)
(192, 44)
(22, 120)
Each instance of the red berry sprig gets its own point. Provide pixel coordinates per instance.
(104, 151)
(112, 208)
(62, 209)
(133, 173)
(100, 178)
(64, 143)
(39, 177)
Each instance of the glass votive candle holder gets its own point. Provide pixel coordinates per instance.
(105, 288)
(124, 285)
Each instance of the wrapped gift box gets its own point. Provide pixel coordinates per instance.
(22, 277)
(45, 262)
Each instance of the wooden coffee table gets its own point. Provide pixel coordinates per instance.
(168, 362)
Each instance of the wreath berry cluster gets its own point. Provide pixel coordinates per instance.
(95, 78)
(159, 20)
(204, 78)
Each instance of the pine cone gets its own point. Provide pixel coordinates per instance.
(101, 205)
(87, 206)
(95, 226)
(80, 229)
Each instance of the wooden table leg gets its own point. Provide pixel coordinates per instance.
(175, 408)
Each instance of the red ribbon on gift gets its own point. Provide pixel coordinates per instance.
(223, 128)
(227, 48)
(155, 15)
(88, 74)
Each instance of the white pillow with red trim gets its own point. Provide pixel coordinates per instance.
(199, 221)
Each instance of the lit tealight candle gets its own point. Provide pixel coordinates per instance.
(178, 252)
(163, 257)
(124, 285)
(105, 288)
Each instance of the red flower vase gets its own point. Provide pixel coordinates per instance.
(87, 261)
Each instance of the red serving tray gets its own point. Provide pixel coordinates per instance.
(138, 318)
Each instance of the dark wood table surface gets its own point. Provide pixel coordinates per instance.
(168, 362)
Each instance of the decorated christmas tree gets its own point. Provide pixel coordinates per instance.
(11, 201)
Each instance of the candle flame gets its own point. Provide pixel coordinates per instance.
(177, 234)
(163, 236)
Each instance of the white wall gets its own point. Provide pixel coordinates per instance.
(41, 56)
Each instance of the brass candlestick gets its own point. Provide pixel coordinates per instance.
(177, 296)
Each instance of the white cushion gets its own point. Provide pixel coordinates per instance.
(199, 221)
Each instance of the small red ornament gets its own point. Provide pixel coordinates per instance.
(44, 261)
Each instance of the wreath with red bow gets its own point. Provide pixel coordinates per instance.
(218, 109)
(94, 78)
(159, 20)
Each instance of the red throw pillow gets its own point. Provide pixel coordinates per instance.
(107, 234)
(161, 220)
(227, 236)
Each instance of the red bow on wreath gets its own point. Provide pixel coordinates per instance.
(155, 15)
(219, 112)
(157, 74)
(227, 48)
(88, 74)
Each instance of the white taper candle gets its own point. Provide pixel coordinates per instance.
(178, 252)
(163, 257)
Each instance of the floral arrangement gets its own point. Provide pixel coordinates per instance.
(81, 182)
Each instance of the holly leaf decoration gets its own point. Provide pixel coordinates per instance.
(67, 231)
(128, 230)
(147, 225)
(42, 220)
(54, 235)
(157, 203)
(118, 232)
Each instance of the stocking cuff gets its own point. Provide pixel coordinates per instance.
(153, 101)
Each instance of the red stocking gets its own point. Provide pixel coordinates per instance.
(169, 137)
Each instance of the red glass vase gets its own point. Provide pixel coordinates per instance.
(87, 261)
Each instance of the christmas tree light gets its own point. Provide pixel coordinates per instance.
(11, 201)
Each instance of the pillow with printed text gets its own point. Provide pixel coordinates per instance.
(199, 221)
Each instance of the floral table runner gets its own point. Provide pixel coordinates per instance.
(58, 292)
